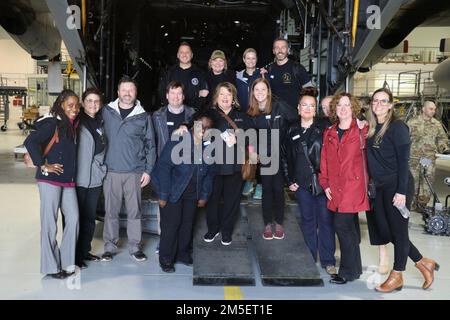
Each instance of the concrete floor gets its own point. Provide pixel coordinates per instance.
(123, 278)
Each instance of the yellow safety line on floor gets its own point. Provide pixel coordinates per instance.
(233, 293)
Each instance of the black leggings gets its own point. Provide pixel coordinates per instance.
(87, 204)
(273, 198)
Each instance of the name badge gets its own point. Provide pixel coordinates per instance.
(277, 117)
(296, 137)
(170, 123)
(268, 117)
(99, 131)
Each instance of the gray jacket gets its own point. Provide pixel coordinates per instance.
(91, 169)
(160, 124)
(131, 141)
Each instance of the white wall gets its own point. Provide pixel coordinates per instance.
(14, 61)
(428, 36)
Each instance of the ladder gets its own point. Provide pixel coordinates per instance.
(4, 112)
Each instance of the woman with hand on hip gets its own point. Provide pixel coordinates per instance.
(56, 173)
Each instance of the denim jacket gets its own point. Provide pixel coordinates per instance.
(170, 180)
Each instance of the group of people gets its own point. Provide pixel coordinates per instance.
(327, 161)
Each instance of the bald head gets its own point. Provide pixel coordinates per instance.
(325, 104)
(428, 110)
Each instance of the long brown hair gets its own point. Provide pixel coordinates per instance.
(356, 106)
(253, 109)
(372, 118)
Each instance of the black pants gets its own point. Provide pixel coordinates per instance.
(349, 235)
(177, 220)
(87, 204)
(273, 198)
(222, 216)
(386, 224)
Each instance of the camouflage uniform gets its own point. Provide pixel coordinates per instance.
(427, 138)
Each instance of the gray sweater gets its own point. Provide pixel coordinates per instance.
(131, 141)
(91, 169)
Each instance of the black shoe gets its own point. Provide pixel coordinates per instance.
(169, 268)
(210, 236)
(189, 262)
(338, 280)
(92, 257)
(226, 241)
(107, 256)
(69, 273)
(139, 256)
(60, 275)
(82, 265)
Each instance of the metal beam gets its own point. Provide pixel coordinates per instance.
(71, 38)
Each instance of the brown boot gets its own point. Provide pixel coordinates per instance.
(393, 282)
(426, 267)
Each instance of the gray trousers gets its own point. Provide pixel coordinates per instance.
(53, 198)
(118, 186)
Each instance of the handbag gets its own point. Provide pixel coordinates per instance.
(316, 188)
(248, 169)
(370, 187)
(27, 158)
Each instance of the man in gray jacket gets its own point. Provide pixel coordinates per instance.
(130, 157)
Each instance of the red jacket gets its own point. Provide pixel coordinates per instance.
(342, 170)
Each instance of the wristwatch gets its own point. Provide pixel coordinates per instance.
(44, 170)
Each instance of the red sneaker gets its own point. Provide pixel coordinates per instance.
(267, 234)
(279, 232)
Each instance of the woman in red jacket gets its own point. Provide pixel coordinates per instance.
(343, 176)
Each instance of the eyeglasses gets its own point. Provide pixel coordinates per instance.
(382, 102)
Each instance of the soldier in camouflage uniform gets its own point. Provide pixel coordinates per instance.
(427, 138)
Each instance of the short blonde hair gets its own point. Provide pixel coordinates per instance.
(248, 50)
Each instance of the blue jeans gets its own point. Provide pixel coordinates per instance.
(317, 226)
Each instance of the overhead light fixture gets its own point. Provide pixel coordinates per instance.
(237, 22)
(166, 34)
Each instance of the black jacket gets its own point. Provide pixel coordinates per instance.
(281, 117)
(193, 83)
(214, 80)
(293, 161)
(63, 152)
(170, 180)
(243, 122)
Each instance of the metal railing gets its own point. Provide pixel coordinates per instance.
(14, 80)
(423, 55)
(404, 84)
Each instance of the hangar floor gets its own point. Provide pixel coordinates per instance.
(123, 278)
